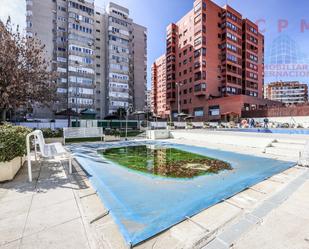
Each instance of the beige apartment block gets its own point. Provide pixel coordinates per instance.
(99, 55)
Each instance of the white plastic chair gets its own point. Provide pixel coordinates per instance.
(46, 150)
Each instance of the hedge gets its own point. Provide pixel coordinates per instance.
(49, 133)
(12, 141)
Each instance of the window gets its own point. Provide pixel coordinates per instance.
(232, 16)
(61, 59)
(214, 110)
(80, 28)
(198, 7)
(118, 21)
(253, 57)
(200, 87)
(197, 19)
(197, 53)
(253, 39)
(61, 49)
(81, 49)
(199, 112)
(61, 70)
(198, 41)
(232, 37)
(61, 90)
(253, 30)
(80, 80)
(231, 57)
(231, 26)
(62, 8)
(203, 51)
(61, 29)
(29, 24)
(81, 18)
(81, 7)
(231, 47)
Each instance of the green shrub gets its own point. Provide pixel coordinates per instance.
(49, 133)
(170, 123)
(12, 141)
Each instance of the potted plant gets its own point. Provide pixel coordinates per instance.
(52, 136)
(12, 150)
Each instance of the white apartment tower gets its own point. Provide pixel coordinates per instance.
(127, 61)
(93, 52)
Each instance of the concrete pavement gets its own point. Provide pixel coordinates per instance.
(58, 210)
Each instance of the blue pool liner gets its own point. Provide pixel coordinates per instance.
(143, 205)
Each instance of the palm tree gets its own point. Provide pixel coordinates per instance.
(121, 113)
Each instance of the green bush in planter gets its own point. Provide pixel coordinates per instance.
(12, 141)
(49, 133)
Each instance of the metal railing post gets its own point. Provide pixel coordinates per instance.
(29, 157)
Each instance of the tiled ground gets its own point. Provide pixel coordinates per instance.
(41, 214)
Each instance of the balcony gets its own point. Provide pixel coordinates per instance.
(200, 89)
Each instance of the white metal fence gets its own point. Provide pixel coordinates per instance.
(58, 124)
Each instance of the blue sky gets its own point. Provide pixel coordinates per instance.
(157, 14)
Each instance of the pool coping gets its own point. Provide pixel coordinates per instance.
(233, 232)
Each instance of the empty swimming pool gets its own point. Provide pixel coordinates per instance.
(144, 202)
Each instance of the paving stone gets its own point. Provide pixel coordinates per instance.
(280, 230)
(48, 197)
(232, 233)
(11, 228)
(264, 209)
(67, 235)
(12, 245)
(216, 244)
(42, 219)
(15, 206)
(216, 216)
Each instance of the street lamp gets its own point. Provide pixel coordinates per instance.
(129, 109)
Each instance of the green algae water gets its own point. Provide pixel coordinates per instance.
(166, 162)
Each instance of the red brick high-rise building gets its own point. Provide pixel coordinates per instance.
(214, 63)
(158, 86)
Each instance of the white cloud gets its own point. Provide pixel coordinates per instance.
(16, 9)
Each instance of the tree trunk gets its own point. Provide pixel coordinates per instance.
(3, 115)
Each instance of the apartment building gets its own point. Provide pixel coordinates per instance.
(127, 49)
(139, 47)
(148, 100)
(287, 92)
(212, 53)
(158, 87)
(93, 52)
(100, 44)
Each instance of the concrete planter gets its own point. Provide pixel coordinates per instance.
(9, 169)
(158, 134)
